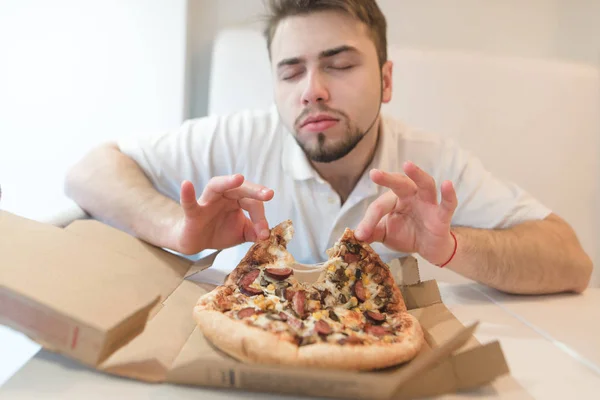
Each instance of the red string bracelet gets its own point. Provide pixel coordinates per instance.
(453, 252)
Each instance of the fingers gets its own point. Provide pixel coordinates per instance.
(401, 185)
(218, 185)
(188, 198)
(234, 188)
(415, 181)
(249, 232)
(424, 182)
(256, 210)
(449, 202)
(375, 212)
(249, 190)
(378, 234)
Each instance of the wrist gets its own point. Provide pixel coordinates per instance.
(165, 228)
(184, 237)
(450, 253)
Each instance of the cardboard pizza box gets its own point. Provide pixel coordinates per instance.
(110, 301)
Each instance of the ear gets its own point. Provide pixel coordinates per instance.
(386, 81)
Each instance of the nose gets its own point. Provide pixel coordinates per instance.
(316, 90)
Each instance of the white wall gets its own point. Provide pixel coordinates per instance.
(75, 73)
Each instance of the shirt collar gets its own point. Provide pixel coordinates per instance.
(365, 187)
(294, 160)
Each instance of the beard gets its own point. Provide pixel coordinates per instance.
(324, 151)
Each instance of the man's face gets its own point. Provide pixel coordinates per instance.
(328, 83)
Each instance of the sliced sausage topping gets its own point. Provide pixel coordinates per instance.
(278, 273)
(299, 303)
(375, 316)
(359, 291)
(246, 312)
(376, 330)
(250, 291)
(289, 294)
(295, 322)
(245, 282)
(249, 277)
(351, 258)
(322, 327)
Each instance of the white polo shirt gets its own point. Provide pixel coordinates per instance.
(257, 145)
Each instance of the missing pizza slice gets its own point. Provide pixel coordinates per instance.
(352, 318)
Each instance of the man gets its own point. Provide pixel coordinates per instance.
(327, 159)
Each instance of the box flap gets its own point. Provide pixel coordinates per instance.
(426, 360)
(457, 373)
(202, 264)
(420, 295)
(117, 240)
(163, 269)
(454, 372)
(149, 356)
(472, 372)
(70, 293)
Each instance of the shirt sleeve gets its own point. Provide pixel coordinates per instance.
(195, 151)
(485, 200)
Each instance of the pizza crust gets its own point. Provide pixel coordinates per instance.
(242, 341)
(254, 345)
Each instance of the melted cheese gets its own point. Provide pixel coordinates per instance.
(372, 288)
(262, 320)
(265, 303)
(349, 318)
(309, 325)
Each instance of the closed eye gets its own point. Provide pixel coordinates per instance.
(341, 68)
(288, 77)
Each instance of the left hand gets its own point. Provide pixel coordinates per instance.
(408, 218)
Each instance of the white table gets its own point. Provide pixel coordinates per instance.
(547, 359)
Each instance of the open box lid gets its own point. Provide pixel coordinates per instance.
(109, 300)
(84, 291)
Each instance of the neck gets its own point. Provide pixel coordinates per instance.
(344, 173)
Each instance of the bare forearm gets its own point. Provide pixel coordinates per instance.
(532, 258)
(112, 188)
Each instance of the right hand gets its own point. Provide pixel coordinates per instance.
(216, 220)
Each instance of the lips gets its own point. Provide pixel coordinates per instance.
(318, 123)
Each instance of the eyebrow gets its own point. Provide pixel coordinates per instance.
(324, 54)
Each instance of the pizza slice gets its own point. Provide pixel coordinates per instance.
(256, 315)
(352, 317)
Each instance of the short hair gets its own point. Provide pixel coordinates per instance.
(366, 11)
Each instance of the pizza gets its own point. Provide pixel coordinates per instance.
(353, 317)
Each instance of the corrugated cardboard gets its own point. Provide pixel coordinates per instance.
(106, 299)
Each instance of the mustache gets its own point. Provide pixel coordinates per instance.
(318, 109)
